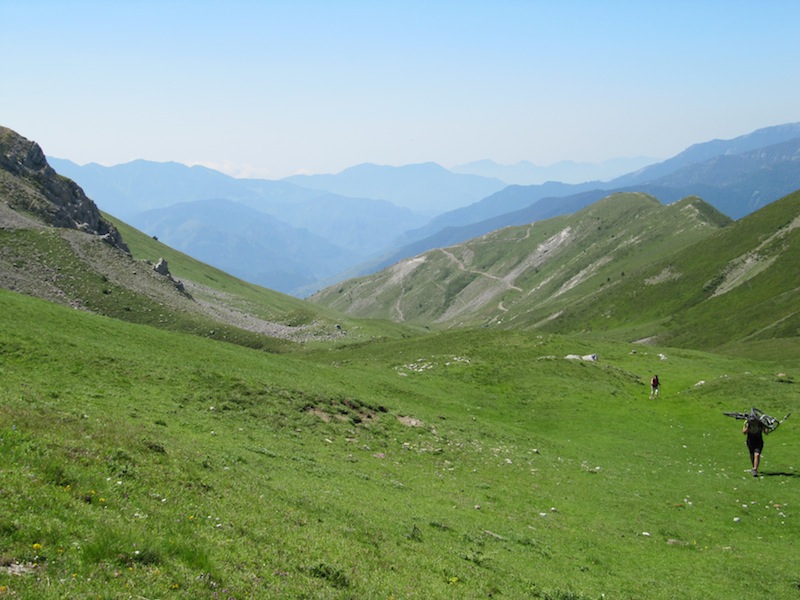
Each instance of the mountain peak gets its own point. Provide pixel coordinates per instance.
(37, 190)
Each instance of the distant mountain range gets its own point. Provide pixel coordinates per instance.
(425, 188)
(315, 233)
(565, 171)
(368, 217)
(736, 176)
(627, 266)
(246, 243)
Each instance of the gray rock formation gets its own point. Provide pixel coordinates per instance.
(36, 189)
(162, 268)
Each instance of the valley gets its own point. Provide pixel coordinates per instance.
(471, 422)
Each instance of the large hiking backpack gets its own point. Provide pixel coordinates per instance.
(769, 423)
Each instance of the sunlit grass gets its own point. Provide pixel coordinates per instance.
(141, 463)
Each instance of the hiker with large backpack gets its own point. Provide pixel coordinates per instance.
(753, 429)
(756, 425)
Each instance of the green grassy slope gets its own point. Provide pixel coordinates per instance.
(273, 305)
(256, 300)
(79, 270)
(520, 276)
(321, 324)
(625, 267)
(740, 285)
(136, 462)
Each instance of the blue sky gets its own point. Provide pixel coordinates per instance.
(274, 88)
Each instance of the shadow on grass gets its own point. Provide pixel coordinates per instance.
(779, 474)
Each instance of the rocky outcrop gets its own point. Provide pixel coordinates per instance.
(162, 268)
(30, 185)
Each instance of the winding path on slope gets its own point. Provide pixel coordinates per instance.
(464, 268)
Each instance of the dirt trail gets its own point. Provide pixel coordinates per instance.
(463, 267)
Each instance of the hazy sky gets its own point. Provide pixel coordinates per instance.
(273, 88)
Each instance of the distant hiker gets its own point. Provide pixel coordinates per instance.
(753, 429)
(654, 383)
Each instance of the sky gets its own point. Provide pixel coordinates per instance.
(274, 88)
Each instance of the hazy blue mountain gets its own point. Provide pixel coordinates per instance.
(735, 184)
(509, 199)
(246, 243)
(739, 184)
(715, 178)
(565, 171)
(698, 153)
(361, 226)
(127, 189)
(426, 188)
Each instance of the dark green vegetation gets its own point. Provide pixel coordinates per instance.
(138, 462)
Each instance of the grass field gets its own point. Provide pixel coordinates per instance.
(139, 463)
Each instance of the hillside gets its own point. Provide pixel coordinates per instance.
(521, 276)
(627, 267)
(740, 285)
(55, 244)
(138, 462)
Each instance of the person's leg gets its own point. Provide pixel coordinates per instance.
(756, 461)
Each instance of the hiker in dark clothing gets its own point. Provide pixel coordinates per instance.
(754, 430)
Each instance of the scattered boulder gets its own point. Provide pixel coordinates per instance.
(587, 357)
(162, 268)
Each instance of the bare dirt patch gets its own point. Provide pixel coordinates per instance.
(667, 274)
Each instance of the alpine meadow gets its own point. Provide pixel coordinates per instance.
(473, 421)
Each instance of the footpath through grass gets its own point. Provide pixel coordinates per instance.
(138, 463)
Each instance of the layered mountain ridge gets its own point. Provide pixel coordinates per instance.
(363, 215)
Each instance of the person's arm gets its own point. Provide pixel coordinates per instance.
(744, 429)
